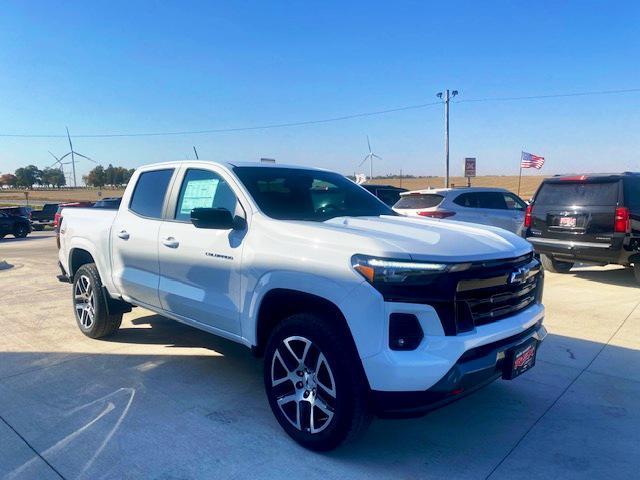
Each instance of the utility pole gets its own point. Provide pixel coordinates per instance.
(447, 96)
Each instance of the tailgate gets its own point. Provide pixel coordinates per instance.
(576, 210)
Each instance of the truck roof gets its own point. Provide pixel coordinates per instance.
(232, 164)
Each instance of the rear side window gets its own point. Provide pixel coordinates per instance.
(422, 200)
(632, 193)
(576, 193)
(148, 196)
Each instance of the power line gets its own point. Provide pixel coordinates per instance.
(557, 95)
(229, 130)
(324, 120)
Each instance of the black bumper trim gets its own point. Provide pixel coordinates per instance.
(475, 369)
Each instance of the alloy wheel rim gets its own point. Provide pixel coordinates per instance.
(84, 301)
(303, 384)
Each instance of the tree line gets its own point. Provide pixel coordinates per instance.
(30, 176)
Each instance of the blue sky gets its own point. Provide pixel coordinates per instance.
(127, 67)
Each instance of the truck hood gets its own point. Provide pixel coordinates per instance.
(434, 240)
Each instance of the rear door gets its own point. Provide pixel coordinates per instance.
(134, 237)
(576, 210)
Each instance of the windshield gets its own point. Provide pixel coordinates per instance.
(297, 194)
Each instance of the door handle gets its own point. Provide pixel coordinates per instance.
(123, 234)
(170, 242)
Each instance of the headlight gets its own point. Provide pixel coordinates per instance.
(377, 270)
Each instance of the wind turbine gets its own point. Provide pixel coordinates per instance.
(73, 154)
(370, 156)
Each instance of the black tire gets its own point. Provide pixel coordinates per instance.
(38, 228)
(636, 271)
(87, 290)
(20, 230)
(552, 265)
(349, 402)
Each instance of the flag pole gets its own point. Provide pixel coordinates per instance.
(520, 176)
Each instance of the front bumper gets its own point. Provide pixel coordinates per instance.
(476, 368)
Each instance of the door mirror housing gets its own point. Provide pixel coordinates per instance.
(214, 218)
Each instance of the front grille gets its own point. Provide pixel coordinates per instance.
(490, 299)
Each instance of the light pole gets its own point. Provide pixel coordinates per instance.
(447, 97)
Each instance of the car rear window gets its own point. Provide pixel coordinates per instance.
(148, 196)
(578, 193)
(419, 200)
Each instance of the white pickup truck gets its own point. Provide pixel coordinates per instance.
(356, 310)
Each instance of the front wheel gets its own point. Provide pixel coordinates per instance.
(90, 305)
(316, 388)
(552, 265)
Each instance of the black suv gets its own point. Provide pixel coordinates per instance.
(387, 193)
(586, 218)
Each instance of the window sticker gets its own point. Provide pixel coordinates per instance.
(198, 194)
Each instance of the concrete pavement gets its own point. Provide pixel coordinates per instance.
(161, 400)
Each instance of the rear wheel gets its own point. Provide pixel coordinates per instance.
(90, 306)
(20, 230)
(555, 266)
(316, 388)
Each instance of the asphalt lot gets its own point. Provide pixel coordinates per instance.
(161, 400)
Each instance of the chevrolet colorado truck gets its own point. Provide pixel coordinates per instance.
(356, 310)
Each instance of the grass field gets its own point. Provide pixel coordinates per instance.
(528, 187)
(58, 196)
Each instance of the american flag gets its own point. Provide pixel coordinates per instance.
(529, 160)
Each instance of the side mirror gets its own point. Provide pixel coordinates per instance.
(214, 218)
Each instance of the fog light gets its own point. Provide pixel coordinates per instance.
(405, 332)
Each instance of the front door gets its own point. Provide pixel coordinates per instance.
(134, 238)
(200, 267)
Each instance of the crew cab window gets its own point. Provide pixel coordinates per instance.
(204, 189)
(148, 197)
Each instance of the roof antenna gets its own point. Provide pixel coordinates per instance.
(196, 152)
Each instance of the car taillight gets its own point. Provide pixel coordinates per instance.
(56, 219)
(436, 213)
(527, 216)
(622, 222)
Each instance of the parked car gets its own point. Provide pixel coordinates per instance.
(355, 309)
(591, 218)
(487, 206)
(17, 211)
(387, 193)
(14, 225)
(44, 217)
